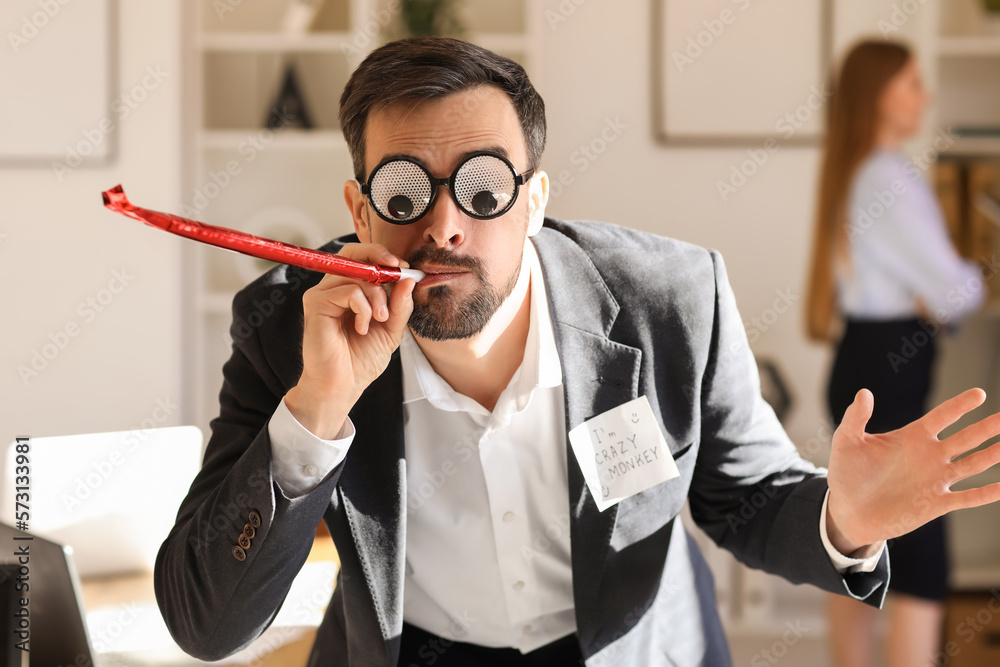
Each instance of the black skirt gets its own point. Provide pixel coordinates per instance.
(894, 359)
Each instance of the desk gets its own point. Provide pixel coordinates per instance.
(126, 627)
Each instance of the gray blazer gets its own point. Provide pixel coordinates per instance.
(634, 314)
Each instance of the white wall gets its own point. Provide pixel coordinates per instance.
(60, 247)
(596, 65)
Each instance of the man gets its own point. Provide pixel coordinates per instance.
(428, 427)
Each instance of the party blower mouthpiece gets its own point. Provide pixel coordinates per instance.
(256, 246)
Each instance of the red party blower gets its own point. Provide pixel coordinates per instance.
(255, 246)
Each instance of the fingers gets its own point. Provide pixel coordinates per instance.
(984, 495)
(947, 413)
(858, 413)
(365, 252)
(972, 436)
(400, 307)
(336, 301)
(373, 253)
(374, 294)
(975, 463)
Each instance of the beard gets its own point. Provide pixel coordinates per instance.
(446, 316)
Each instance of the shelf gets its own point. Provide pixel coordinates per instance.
(244, 42)
(969, 146)
(240, 88)
(282, 140)
(976, 47)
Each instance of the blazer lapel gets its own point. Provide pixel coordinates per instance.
(374, 500)
(598, 374)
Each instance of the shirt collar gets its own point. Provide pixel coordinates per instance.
(539, 368)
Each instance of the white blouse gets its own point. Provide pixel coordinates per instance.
(900, 249)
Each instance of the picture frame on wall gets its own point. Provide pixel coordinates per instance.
(57, 74)
(773, 56)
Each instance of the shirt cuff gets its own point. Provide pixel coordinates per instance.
(301, 459)
(840, 561)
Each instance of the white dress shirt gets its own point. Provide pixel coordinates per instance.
(487, 527)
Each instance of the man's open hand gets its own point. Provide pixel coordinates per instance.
(886, 485)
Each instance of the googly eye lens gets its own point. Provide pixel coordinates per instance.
(400, 207)
(400, 190)
(484, 203)
(484, 186)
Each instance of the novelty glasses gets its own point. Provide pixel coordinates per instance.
(484, 186)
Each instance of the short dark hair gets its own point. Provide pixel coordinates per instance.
(418, 69)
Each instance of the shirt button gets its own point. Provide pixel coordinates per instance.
(518, 585)
(309, 470)
(508, 517)
(527, 629)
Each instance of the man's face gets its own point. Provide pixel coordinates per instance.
(472, 265)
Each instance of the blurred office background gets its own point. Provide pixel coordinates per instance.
(701, 121)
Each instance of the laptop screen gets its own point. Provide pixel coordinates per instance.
(52, 622)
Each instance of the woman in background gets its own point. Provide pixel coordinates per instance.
(883, 262)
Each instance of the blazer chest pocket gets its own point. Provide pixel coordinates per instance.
(646, 512)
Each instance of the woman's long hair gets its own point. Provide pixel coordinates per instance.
(851, 126)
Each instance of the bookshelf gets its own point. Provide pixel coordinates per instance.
(284, 183)
(960, 58)
(968, 79)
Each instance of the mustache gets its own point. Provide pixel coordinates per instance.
(444, 258)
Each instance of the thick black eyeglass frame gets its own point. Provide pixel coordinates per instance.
(436, 183)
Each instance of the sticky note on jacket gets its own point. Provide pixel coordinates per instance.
(622, 452)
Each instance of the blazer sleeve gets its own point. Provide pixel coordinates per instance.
(215, 599)
(751, 492)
